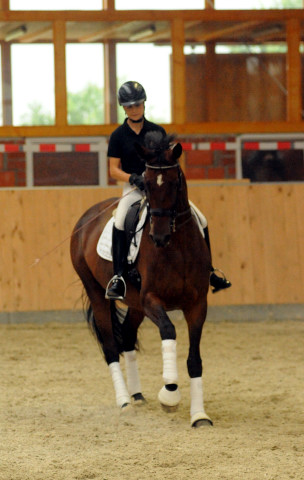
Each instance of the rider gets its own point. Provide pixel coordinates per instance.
(126, 166)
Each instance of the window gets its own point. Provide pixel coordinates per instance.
(85, 84)
(150, 66)
(55, 4)
(257, 4)
(200, 4)
(159, 5)
(1, 113)
(33, 84)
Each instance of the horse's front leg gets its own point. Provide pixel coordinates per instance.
(169, 395)
(195, 319)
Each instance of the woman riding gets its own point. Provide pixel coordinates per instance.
(126, 166)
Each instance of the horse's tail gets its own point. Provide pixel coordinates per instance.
(117, 318)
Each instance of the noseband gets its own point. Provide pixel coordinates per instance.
(163, 212)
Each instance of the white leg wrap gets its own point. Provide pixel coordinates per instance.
(133, 380)
(169, 361)
(121, 392)
(197, 410)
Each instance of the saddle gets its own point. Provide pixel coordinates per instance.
(134, 223)
(131, 221)
(132, 228)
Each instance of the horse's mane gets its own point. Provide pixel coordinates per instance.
(158, 142)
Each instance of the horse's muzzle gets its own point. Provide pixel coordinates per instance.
(160, 240)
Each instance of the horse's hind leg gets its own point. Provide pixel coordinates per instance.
(195, 320)
(101, 322)
(130, 326)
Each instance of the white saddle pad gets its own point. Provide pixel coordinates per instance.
(104, 244)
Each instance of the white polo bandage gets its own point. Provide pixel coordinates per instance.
(133, 381)
(197, 396)
(169, 361)
(121, 392)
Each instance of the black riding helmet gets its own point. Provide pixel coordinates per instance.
(131, 93)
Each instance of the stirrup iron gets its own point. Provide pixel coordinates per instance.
(116, 277)
(220, 271)
(221, 282)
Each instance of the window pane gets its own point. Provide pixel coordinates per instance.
(200, 4)
(1, 98)
(257, 5)
(150, 66)
(160, 5)
(55, 4)
(152, 5)
(85, 84)
(33, 84)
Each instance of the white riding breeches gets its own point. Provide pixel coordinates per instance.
(124, 204)
(202, 220)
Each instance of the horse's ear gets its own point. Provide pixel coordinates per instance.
(177, 151)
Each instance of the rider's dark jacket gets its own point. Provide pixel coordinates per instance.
(122, 145)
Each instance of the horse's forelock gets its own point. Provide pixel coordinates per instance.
(157, 143)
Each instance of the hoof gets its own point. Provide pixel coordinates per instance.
(125, 407)
(201, 419)
(169, 399)
(138, 399)
(202, 423)
(127, 412)
(127, 415)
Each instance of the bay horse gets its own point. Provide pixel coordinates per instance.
(174, 265)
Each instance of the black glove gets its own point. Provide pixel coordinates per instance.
(137, 180)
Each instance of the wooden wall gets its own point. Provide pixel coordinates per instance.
(248, 78)
(256, 231)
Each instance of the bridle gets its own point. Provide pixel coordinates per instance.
(172, 212)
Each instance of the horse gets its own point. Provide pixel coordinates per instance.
(173, 265)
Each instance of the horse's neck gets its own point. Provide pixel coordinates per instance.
(183, 201)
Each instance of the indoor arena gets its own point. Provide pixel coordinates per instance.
(195, 368)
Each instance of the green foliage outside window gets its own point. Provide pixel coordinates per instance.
(86, 107)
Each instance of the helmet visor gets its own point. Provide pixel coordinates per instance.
(132, 102)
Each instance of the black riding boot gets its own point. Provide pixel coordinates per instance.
(116, 289)
(218, 283)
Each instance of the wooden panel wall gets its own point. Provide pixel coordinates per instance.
(256, 232)
(247, 78)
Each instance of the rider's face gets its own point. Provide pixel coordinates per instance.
(135, 111)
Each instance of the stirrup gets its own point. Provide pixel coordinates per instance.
(117, 297)
(221, 282)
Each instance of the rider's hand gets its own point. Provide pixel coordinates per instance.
(137, 180)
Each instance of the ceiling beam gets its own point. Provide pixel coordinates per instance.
(104, 33)
(233, 29)
(207, 15)
(33, 36)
